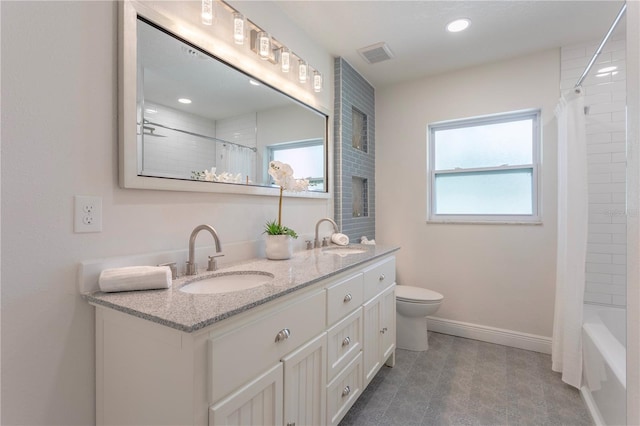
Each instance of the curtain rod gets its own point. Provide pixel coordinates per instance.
(599, 49)
(254, 149)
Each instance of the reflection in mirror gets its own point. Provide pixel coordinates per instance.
(201, 119)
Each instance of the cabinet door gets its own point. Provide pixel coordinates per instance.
(379, 332)
(371, 338)
(304, 384)
(258, 403)
(388, 321)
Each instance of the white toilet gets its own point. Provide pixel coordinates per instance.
(413, 305)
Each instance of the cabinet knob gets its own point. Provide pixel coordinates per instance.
(381, 277)
(283, 335)
(346, 341)
(347, 298)
(346, 391)
(383, 331)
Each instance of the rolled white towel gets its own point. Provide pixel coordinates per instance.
(134, 278)
(365, 240)
(339, 239)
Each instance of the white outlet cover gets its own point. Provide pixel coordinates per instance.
(87, 214)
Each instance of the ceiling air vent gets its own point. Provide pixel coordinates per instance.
(376, 53)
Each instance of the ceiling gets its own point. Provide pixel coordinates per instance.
(415, 31)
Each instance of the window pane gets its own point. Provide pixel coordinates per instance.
(496, 193)
(484, 145)
(303, 160)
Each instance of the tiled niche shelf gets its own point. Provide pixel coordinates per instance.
(360, 197)
(359, 130)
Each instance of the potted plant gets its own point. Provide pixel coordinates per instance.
(279, 238)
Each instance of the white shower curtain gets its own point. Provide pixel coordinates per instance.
(566, 350)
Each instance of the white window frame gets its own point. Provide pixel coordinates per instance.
(534, 218)
(271, 149)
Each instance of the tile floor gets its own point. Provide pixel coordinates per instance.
(467, 382)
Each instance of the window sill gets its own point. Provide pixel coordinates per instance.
(484, 222)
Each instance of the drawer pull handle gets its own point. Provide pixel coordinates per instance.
(291, 424)
(346, 341)
(346, 391)
(381, 278)
(347, 298)
(283, 335)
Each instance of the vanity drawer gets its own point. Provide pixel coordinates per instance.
(345, 342)
(344, 297)
(240, 355)
(343, 391)
(378, 277)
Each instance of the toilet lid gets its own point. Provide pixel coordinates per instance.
(417, 294)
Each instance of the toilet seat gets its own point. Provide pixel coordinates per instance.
(410, 294)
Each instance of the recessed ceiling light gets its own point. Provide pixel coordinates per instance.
(607, 69)
(184, 101)
(151, 111)
(458, 25)
(255, 83)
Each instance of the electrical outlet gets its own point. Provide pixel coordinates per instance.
(88, 214)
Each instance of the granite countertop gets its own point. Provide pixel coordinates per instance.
(190, 312)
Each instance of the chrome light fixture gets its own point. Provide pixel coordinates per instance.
(285, 59)
(303, 71)
(264, 45)
(238, 28)
(317, 81)
(261, 43)
(207, 12)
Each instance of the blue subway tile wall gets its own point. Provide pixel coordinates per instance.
(353, 91)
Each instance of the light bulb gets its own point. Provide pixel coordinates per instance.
(238, 28)
(303, 71)
(264, 45)
(285, 59)
(207, 12)
(317, 81)
(458, 25)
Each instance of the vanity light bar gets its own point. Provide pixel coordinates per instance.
(267, 47)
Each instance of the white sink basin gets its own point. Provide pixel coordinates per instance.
(227, 282)
(343, 251)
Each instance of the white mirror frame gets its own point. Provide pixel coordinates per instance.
(127, 104)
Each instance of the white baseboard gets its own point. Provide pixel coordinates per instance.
(483, 333)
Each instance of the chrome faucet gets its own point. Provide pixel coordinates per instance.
(192, 267)
(316, 242)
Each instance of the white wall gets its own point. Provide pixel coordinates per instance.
(490, 275)
(59, 139)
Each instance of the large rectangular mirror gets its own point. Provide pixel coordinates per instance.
(203, 125)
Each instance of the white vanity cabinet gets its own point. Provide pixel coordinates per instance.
(379, 313)
(291, 392)
(300, 359)
(257, 403)
(293, 336)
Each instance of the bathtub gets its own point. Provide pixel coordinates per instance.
(604, 364)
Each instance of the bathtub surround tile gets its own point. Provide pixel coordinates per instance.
(606, 157)
(466, 382)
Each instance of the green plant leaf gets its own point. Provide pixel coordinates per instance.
(272, 228)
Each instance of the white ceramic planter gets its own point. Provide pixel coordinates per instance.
(279, 247)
